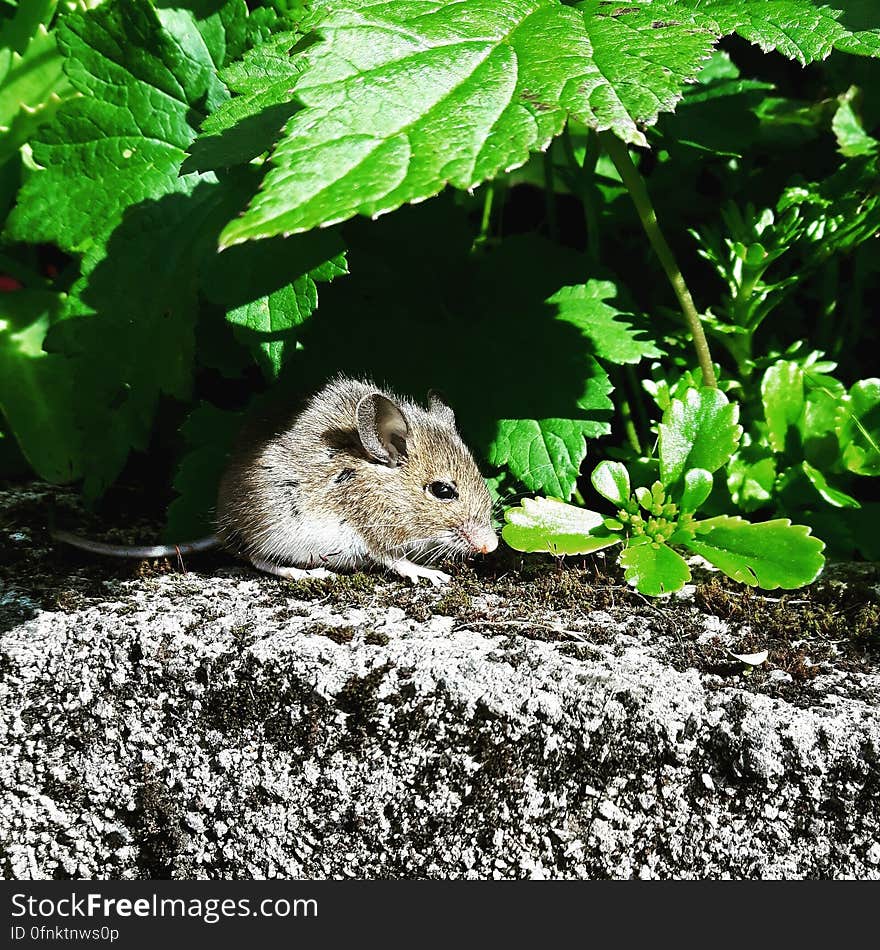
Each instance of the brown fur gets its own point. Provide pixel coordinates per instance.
(308, 493)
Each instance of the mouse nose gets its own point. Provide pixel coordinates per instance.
(488, 543)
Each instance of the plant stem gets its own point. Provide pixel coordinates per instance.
(486, 222)
(626, 416)
(640, 416)
(635, 185)
(586, 188)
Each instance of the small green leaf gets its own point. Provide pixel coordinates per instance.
(611, 480)
(36, 387)
(770, 554)
(852, 140)
(654, 569)
(697, 487)
(833, 496)
(751, 483)
(782, 390)
(860, 431)
(644, 497)
(548, 525)
(699, 431)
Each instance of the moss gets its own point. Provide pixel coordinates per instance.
(338, 634)
(454, 603)
(68, 600)
(340, 589)
(822, 612)
(377, 638)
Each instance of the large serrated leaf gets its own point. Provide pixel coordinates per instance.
(111, 189)
(612, 335)
(544, 454)
(146, 78)
(699, 431)
(803, 30)
(401, 98)
(551, 526)
(128, 327)
(770, 554)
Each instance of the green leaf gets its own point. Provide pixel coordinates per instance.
(111, 189)
(269, 288)
(699, 431)
(833, 496)
(769, 555)
(852, 139)
(128, 328)
(32, 82)
(611, 481)
(820, 426)
(654, 569)
(542, 453)
(799, 29)
(249, 124)
(613, 339)
(105, 152)
(860, 430)
(18, 30)
(547, 525)
(751, 483)
(697, 488)
(782, 391)
(36, 387)
(644, 62)
(400, 99)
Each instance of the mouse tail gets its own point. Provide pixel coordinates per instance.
(139, 551)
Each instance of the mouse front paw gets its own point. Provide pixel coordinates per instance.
(414, 572)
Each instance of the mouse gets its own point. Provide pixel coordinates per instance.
(359, 477)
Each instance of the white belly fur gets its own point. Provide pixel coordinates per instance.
(320, 542)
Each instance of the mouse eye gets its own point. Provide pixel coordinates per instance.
(442, 491)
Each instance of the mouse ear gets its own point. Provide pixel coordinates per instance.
(438, 406)
(382, 428)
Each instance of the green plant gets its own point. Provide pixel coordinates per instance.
(215, 203)
(698, 435)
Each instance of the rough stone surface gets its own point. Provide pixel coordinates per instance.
(221, 724)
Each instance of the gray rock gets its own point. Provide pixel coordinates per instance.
(221, 725)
